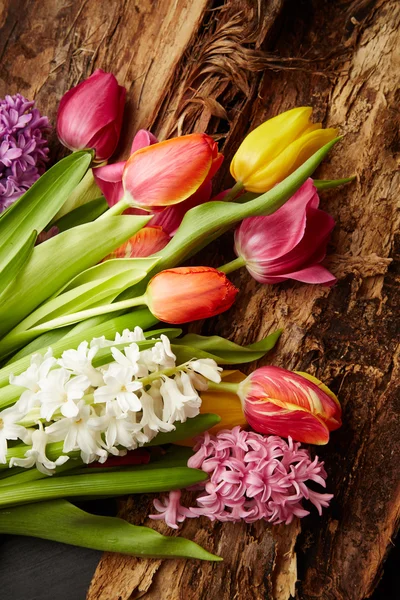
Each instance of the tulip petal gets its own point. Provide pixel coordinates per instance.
(109, 180)
(316, 274)
(171, 217)
(336, 419)
(168, 172)
(145, 242)
(273, 236)
(267, 141)
(301, 425)
(291, 157)
(142, 139)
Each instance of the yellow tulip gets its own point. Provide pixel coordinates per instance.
(277, 148)
(225, 404)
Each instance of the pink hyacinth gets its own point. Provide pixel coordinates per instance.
(290, 243)
(251, 477)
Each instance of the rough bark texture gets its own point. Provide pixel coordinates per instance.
(224, 67)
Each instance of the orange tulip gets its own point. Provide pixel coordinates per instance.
(145, 242)
(169, 172)
(283, 403)
(189, 293)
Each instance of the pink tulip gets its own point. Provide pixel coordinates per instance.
(171, 171)
(90, 115)
(283, 403)
(290, 243)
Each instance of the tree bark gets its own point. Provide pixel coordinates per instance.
(224, 67)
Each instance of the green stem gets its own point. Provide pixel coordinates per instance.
(224, 386)
(27, 475)
(117, 209)
(91, 312)
(235, 264)
(235, 191)
(101, 484)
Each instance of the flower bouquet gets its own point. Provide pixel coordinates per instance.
(99, 395)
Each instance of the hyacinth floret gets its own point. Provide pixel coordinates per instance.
(23, 147)
(251, 477)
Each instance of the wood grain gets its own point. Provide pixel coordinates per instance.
(224, 67)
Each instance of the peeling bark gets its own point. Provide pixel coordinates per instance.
(224, 67)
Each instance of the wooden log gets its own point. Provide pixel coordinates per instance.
(224, 67)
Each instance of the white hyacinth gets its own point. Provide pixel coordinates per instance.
(101, 410)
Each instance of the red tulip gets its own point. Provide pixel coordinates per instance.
(90, 115)
(280, 402)
(169, 172)
(189, 293)
(145, 242)
(290, 243)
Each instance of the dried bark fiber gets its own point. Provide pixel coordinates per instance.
(224, 67)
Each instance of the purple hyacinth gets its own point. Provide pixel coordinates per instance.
(251, 477)
(23, 147)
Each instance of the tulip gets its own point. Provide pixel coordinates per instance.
(284, 403)
(175, 296)
(145, 242)
(189, 293)
(277, 148)
(289, 244)
(90, 115)
(169, 172)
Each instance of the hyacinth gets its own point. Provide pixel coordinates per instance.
(23, 147)
(101, 410)
(251, 477)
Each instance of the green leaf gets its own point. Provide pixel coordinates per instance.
(101, 484)
(221, 350)
(61, 521)
(43, 341)
(16, 262)
(56, 261)
(82, 214)
(35, 209)
(327, 184)
(83, 193)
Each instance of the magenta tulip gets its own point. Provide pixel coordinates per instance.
(290, 243)
(90, 115)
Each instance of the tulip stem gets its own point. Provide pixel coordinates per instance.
(91, 312)
(234, 192)
(224, 386)
(117, 209)
(235, 264)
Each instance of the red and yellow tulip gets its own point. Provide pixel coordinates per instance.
(284, 403)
